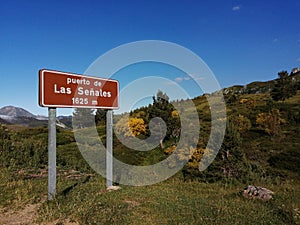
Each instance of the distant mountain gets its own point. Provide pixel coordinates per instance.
(15, 112)
(2, 121)
(20, 116)
(65, 120)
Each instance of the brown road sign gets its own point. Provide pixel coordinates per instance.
(66, 90)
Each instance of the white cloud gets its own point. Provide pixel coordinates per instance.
(180, 79)
(188, 77)
(196, 77)
(298, 60)
(275, 40)
(236, 8)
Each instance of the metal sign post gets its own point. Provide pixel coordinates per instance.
(69, 90)
(52, 153)
(109, 145)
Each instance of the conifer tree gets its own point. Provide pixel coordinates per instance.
(163, 109)
(83, 117)
(230, 161)
(100, 116)
(284, 87)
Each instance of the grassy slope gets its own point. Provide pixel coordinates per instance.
(172, 201)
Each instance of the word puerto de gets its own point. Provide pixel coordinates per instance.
(98, 92)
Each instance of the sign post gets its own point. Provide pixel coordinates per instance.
(51, 153)
(69, 90)
(109, 153)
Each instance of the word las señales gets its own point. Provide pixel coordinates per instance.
(98, 92)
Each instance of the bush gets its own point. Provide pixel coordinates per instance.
(270, 122)
(288, 160)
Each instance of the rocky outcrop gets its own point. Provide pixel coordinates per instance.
(254, 192)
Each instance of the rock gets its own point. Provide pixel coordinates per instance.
(113, 188)
(254, 192)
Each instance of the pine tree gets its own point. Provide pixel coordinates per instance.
(100, 117)
(163, 109)
(83, 117)
(230, 161)
(284, 87)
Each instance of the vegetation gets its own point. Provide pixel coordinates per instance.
(261, 147)
(83, 117)
(100, 117)
(132, 127)
(284, 87)
(270, 122)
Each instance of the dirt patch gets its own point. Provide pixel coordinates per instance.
(23, 216)
(26, 216)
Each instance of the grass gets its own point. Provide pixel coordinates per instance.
(170, 202)
(295, 99)
(16, 191)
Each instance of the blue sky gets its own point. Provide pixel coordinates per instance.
(241, 41)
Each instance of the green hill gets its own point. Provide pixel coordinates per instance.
(261, 147)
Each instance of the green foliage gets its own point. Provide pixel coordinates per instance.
(69, 157)
(230, 162)
(28, 148)
(18, 151)
(242, 123)
(83, 117)
(231, 98)
(287, 160)
(100, 116)
(284, 87)
(163, 109)
(270, 122)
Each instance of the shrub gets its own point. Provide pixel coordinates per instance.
(270, 122)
